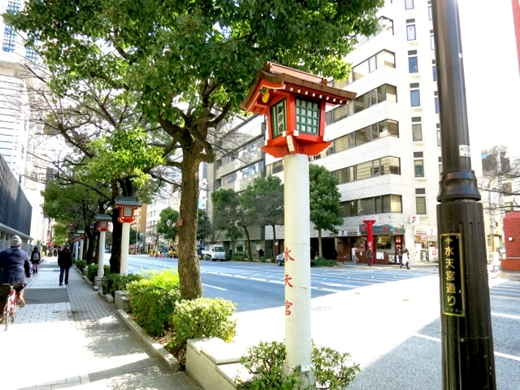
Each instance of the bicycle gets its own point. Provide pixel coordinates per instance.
(9, 311)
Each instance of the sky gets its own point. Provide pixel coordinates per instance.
(492, 76)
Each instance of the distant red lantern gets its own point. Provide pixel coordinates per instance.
(180, 222)
(294, 103)
(127, 207)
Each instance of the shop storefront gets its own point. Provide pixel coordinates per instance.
(387, 240)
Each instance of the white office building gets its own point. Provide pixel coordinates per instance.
(22, 144)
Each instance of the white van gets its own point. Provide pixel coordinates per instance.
(216, 252)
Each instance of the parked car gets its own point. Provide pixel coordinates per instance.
(280, 259)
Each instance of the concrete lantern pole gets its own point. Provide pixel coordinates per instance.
(125, 238)
(297, 266)
(81, 249)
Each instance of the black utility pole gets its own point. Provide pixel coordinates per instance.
(467, 342)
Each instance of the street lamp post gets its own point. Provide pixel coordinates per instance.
(126, 206)
(467, 341)
(102, 226)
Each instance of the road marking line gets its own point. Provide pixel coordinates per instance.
(505, 315)
(218, 288)
(504, 355)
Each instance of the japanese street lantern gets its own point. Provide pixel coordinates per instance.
(102, 221)
(294, 103)
(127, 206)
(81, 235)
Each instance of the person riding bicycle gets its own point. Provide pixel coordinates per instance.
(15, 267)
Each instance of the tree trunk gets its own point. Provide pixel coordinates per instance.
(274, 240)
(189, 265)
(249, 251)
(115, 253)
(320, 249)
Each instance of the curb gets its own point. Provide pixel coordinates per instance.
(150, 343)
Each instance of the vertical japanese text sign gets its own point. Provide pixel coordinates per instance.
(452, 271)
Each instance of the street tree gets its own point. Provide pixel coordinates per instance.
(188, 65)
(74, 206)
(264, 197)
(167, 225)
(227, 213)
(325, 201)
(203, 226)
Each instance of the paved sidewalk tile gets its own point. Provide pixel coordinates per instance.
(77, 343)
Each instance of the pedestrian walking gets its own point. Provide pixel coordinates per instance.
(400, 256)
(65, 262)
(406, 259)
(369, 257)
(35, 259)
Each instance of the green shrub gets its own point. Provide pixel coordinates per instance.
(114, 282)
(239, 256)
(322, 262)
(202, 318)
(93, 269)
(262, 259)
(81, 264)
(333, 370)
(152, 300)
(265, 362)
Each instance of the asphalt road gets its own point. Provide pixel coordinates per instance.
(388, 319)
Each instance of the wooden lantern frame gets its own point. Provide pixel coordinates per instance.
(127, 207)
(102, 222)
(293, 90)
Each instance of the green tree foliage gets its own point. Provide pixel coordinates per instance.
(227, 213)
(167, 225)
(75, 207)
(264, 198)
(187, 65)
(324, 200)
(203, 226)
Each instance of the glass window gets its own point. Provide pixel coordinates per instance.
(364, 170)
(434, 69)
(385, 58)
(420, 204)
(363, 136)
(432, 41)
(415, 98)
(410, 32)
(367, 206)
(13, 6)
(408, 4)
(9, 32)
(341, 144)
(438, 135)
(419, 168)
(372, 65)
(307, 116)
(390, 164)
(8, 45)
(413, 65)
(278, 118)
(430, 14)
(436, 104)
(417, 132)
(361, 71)
(391, 93)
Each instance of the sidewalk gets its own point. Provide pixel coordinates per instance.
(70, 337)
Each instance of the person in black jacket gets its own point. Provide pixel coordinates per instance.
(65, 262)
(35, 259)
(15, 268)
